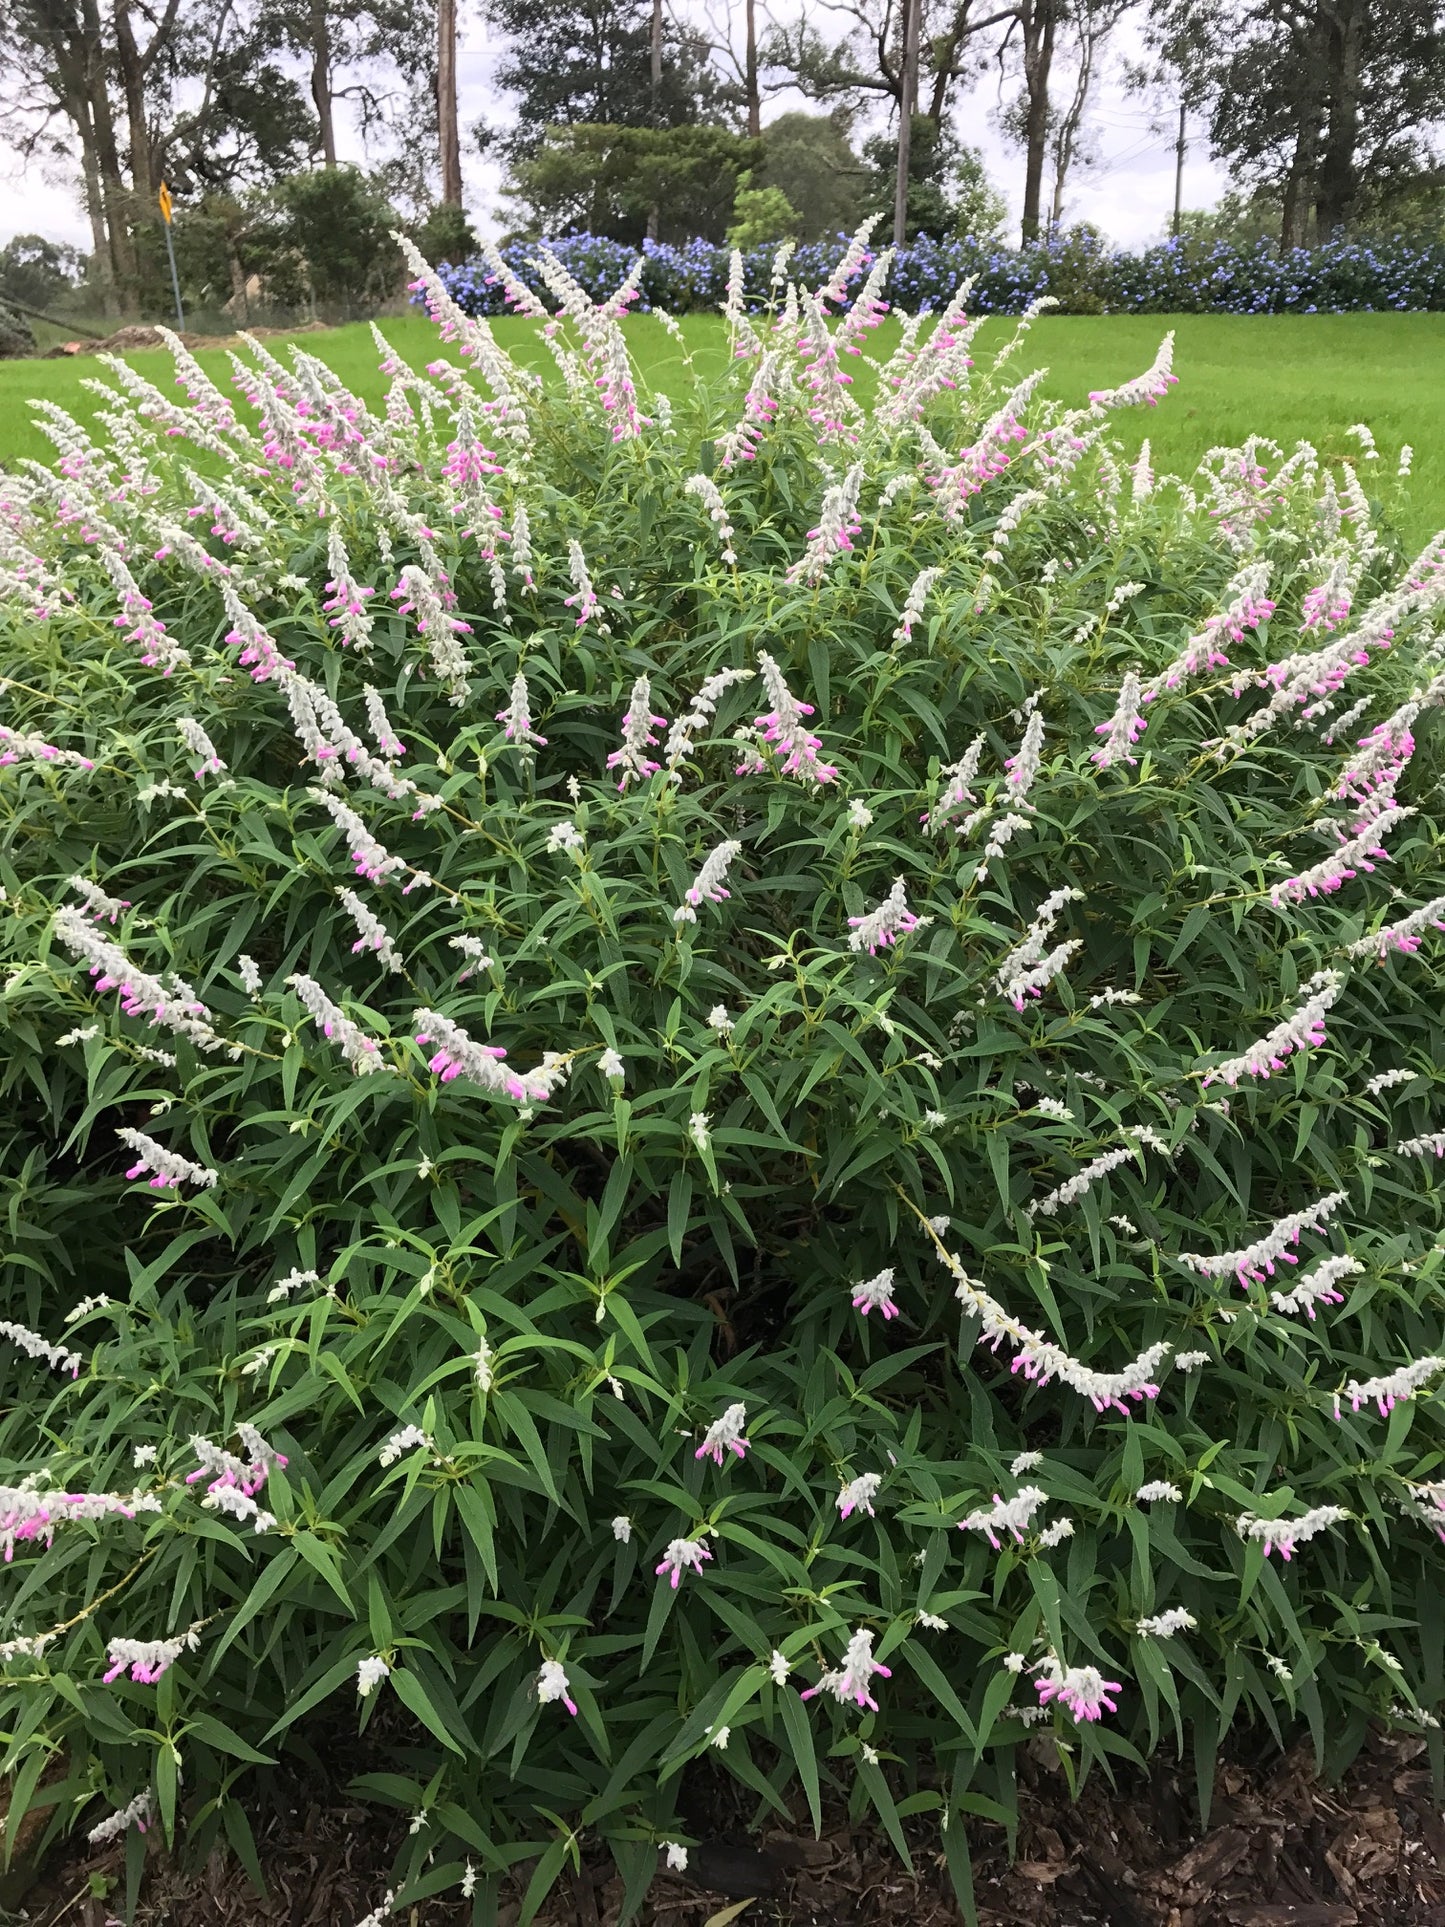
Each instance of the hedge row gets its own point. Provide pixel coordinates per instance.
(1175, 277)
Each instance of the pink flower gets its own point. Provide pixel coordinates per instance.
(783, 728)
(683, 1554)
(859, 1493)
(878, 928)
(725, 1435)
(876, 1294)
(552, 1685)
(853, 1679)
(1083, 1689)
(1005, 1515)
(638, 727)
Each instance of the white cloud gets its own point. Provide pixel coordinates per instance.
(32, 205)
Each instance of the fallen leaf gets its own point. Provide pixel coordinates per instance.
(725, 1914)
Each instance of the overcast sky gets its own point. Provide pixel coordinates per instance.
(1129, 193)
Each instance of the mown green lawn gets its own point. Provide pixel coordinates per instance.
(1286, 376)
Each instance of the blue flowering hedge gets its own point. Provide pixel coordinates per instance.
(1175, 277)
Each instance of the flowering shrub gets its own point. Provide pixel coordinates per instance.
(1082, 275)
(747, 1077)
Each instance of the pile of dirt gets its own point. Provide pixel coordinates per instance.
(1282, 1851)
(125, 339)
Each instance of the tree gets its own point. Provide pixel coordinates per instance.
(328, 239)
(39, 272)
(137, 56)
(252, 126)
(949, 192)
(750, 70)
(58, 99)
(213, 239)
(1237, 218)
(807, 157)
(372, 46)
(761, 214)
(1036, 26)
(448, 140)
(608, 180)
(866, 64)
(1331, 104)
(588, 63)
(140, 93)
(318, 20)
(445, 234)
(224, 118)
(714, 32)
(1091, 23)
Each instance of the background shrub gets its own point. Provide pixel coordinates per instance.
(1077, 269)
(933, 1013)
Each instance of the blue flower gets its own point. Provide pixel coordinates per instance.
(691, 276)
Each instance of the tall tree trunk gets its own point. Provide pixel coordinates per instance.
(451, 152)
(133, 64)
(1297, 184)
(907, 101)
(133, 83)
(1039, 22)
(750, 70)
(102, 266)
(1066, 134)
(114, 197)
(1338, 177)
(70, 34)
(654, 212)
(321, 79)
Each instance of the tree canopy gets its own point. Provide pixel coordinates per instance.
(630, 122)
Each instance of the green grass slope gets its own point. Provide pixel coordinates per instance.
(1286, 376)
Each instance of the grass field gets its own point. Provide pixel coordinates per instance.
(1287, 376)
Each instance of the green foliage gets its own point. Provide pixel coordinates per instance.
(17, 337)
(760, 215)
(613, 180)
(589, 63)
(319, 237)
(490, 1333)
(207, 236)
(259, 125)
(1240, 218)
(807, 157)
(445, 235)
(1338, 124)
(949, 191)
(1236, 218)
(325, 236)
(39, 271)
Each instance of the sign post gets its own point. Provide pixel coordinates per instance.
(165, 201)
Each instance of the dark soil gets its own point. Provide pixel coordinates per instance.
(1282, 1850)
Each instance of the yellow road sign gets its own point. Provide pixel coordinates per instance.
(165, 201)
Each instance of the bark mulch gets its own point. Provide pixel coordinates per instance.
(1282, 1850)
